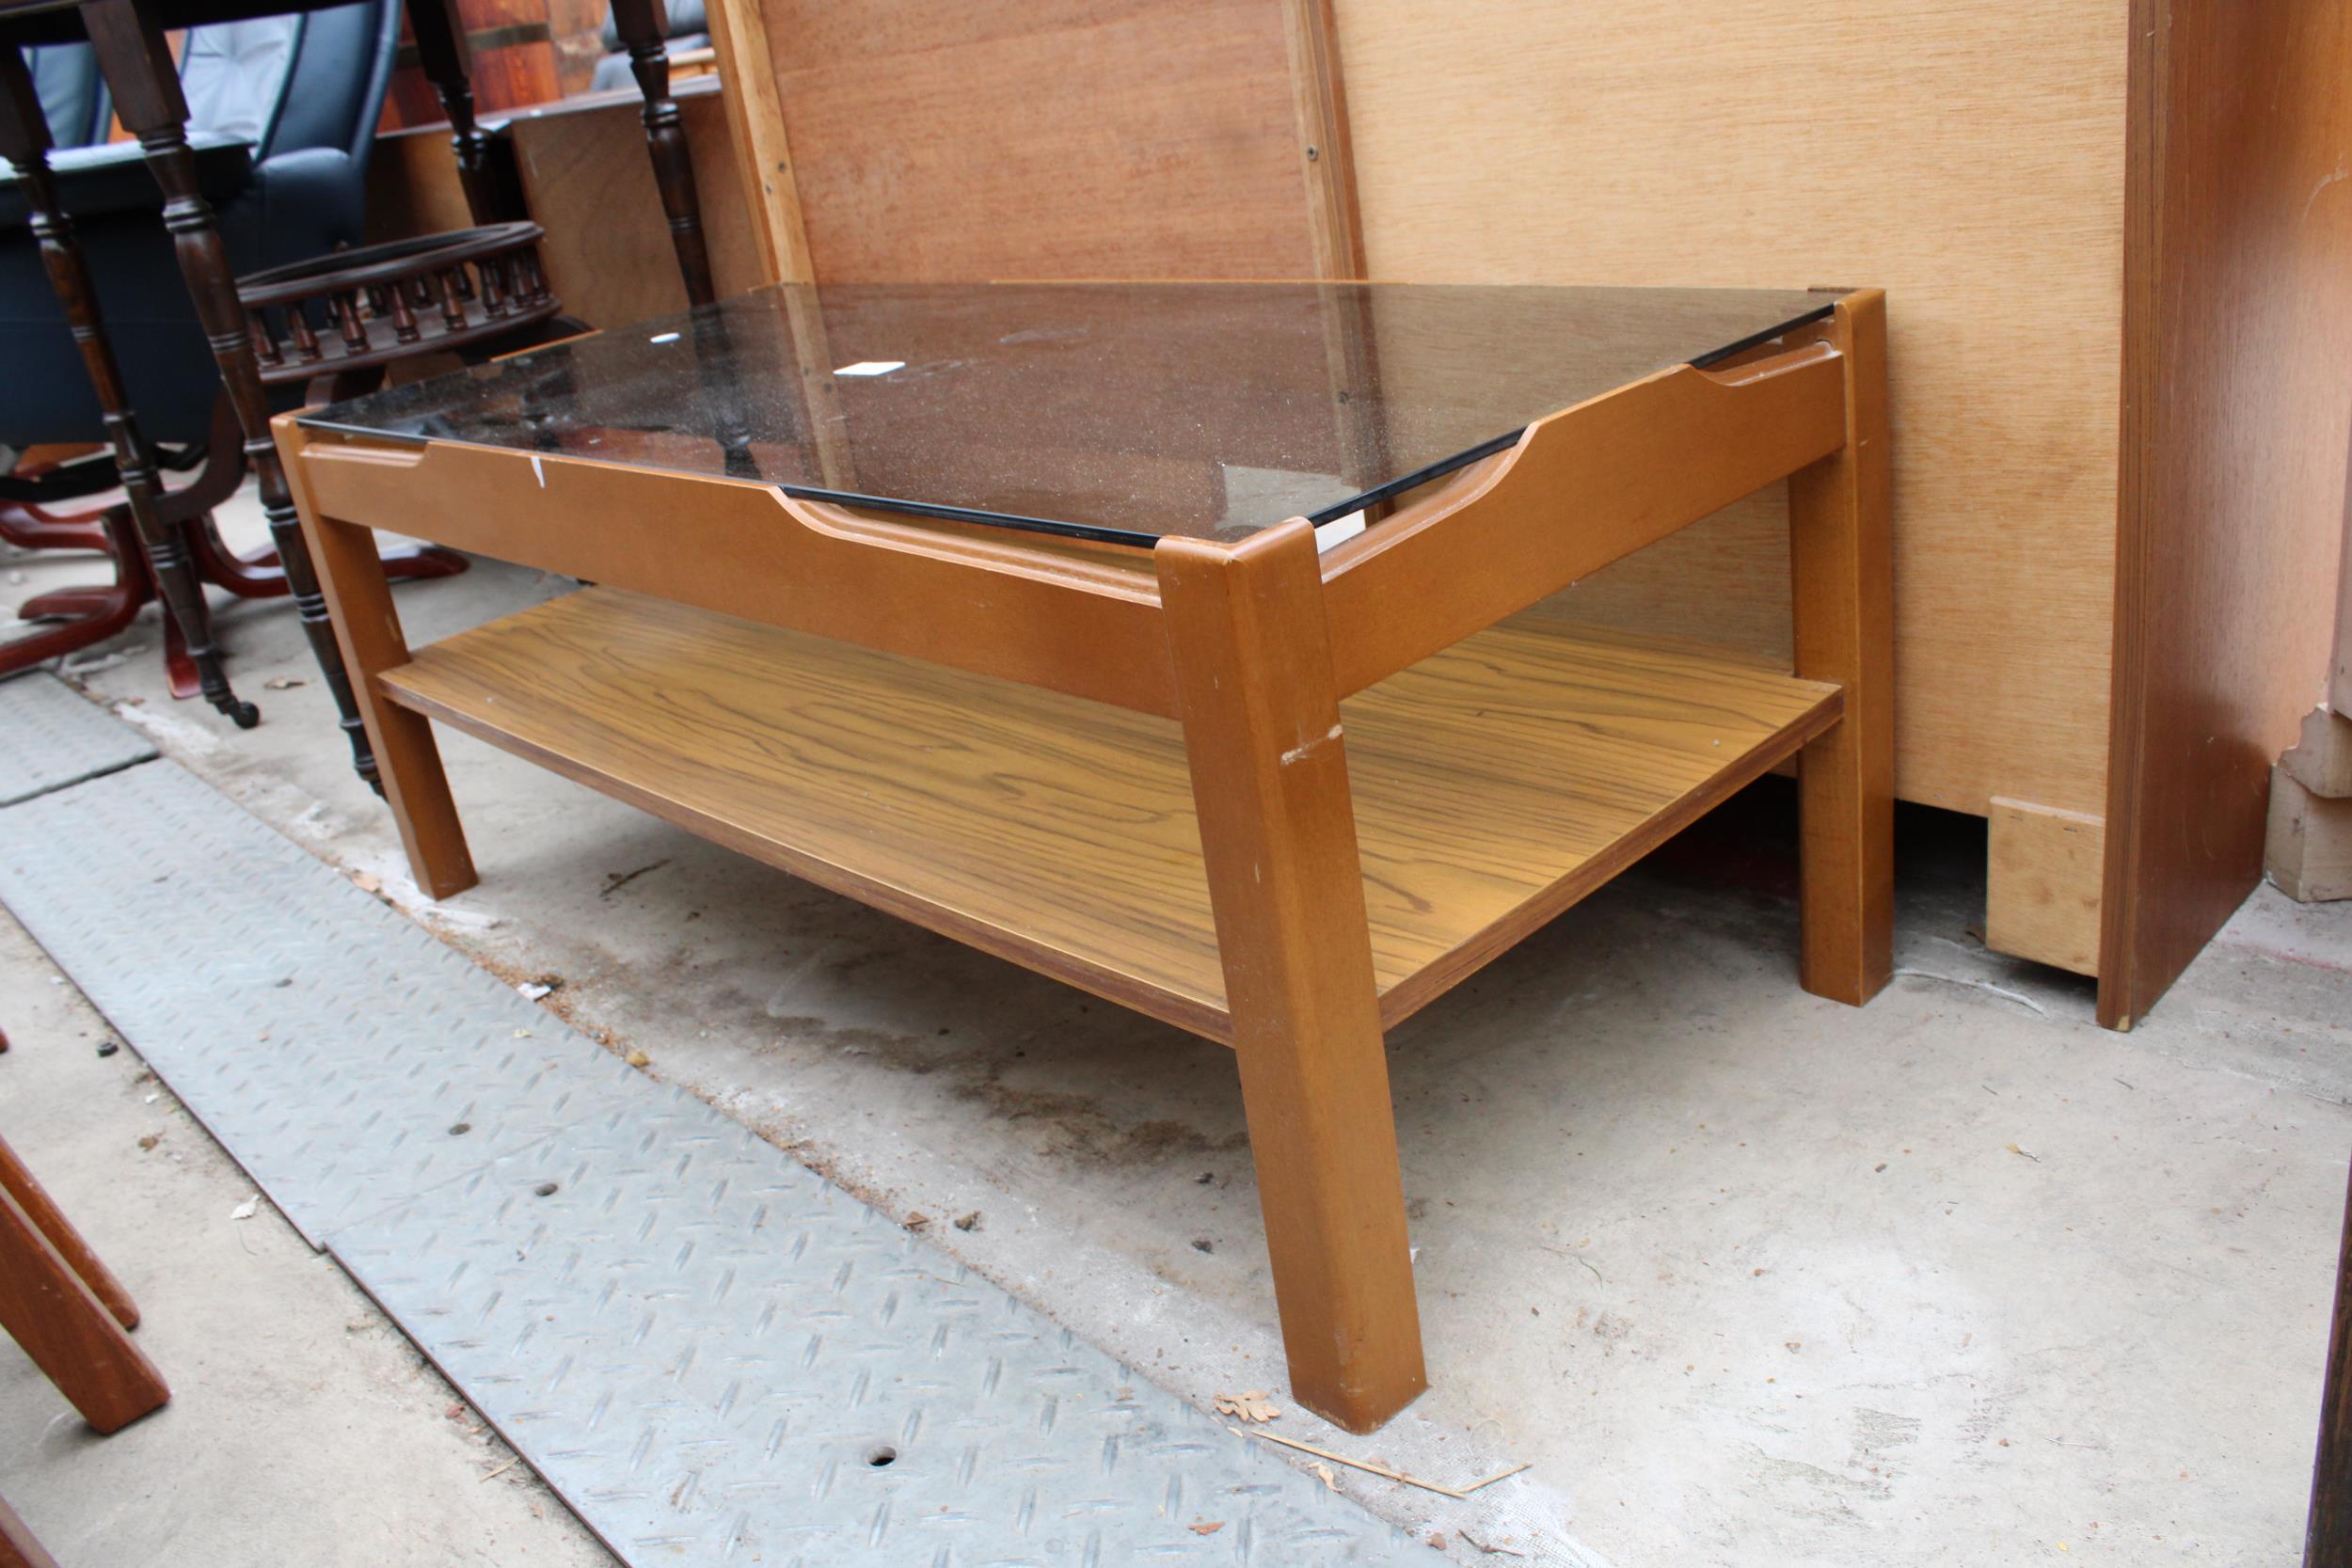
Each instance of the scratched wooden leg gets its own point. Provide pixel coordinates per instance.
(66, 1331)
(34, 1199)
(1841, 552)
(367, 629)
(643, 26)
(1278, 829)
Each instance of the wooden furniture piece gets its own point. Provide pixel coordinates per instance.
(67, 1310)
(607, 246)
(2327, 1531)
(473, 294)
(155, 561)
(137, 61)
(1049, 617)
(19, 1548)
(2118, 241)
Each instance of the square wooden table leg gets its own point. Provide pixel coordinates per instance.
(367, 632)
(50, 1220)
(48, 1310)
(1841, 545)
(1278, 831)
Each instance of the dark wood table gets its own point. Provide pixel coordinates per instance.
(135, 60)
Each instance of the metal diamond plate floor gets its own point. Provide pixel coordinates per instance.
(709, 1353)
(51, 735)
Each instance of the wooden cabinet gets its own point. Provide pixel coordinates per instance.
(2115, 237)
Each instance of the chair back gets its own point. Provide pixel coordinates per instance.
(285, 83)
(72, 94)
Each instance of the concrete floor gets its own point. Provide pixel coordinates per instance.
(302, 1428)
(1749, 1277)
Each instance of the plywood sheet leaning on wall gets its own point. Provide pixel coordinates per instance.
(1068, 139)
(1754, 143)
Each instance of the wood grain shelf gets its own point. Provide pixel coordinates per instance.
(1495, 784)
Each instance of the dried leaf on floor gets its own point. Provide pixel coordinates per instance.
(284, 682)
(1209, 1528)
(637, 1059)
(1255, 1405)
(368, 881)
(1324, 1471)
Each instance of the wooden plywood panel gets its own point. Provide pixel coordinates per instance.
(2238, 405)
(1069, 138)
(2042, 884)
(588, 180)
(1967, 160)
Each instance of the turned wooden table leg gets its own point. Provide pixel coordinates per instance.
(24, 142)
(444, 57)
(139, 68)
(51, 1312)
(1841, 548)
(1278, 831)
(350, 573)
(643, 27)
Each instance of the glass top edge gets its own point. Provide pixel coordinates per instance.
(1323, 496)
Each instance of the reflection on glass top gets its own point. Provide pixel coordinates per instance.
(1118, 411)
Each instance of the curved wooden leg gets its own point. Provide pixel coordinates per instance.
(99, 613)
(34, 528)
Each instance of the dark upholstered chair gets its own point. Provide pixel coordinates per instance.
(282, 111)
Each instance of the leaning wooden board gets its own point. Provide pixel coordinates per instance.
(2046, 193)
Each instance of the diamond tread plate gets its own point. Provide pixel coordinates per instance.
(710, 1345)
(234, 962)
(51, 736)
(699, 1343)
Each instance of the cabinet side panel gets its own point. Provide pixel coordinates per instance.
(2237, 411)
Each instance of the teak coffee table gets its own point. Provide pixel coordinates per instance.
(1181, 642)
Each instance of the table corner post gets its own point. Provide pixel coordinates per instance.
(1259, 709)
(367, 630)
(1841, 557)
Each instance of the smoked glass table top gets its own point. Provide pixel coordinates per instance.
(1116, 411)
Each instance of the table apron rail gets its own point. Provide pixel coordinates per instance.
(1066, 620)
(1581, 489)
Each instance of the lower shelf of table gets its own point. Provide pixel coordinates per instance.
(1495, 784)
